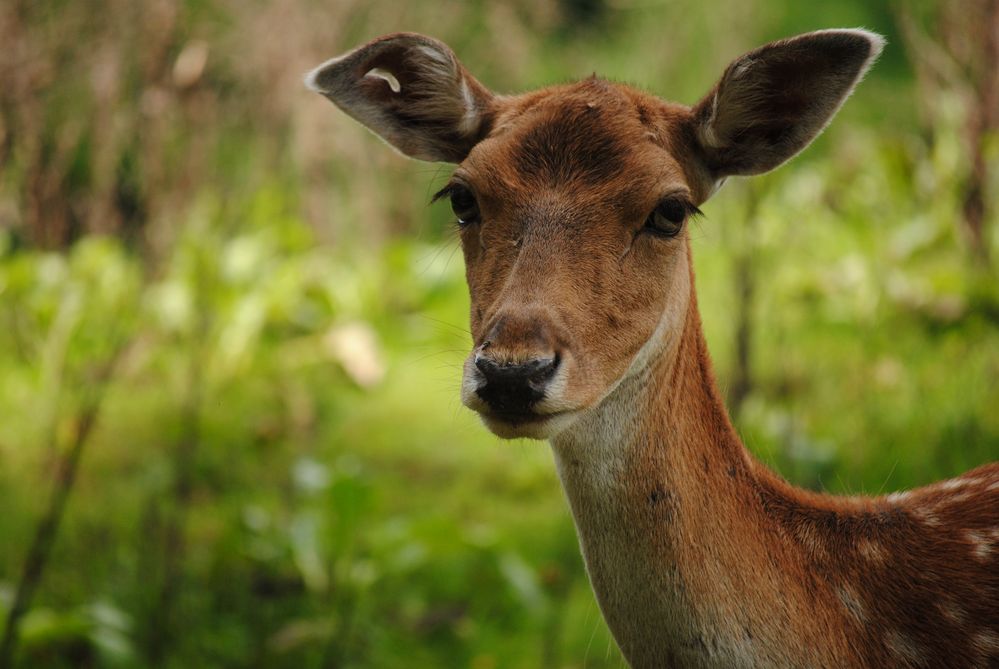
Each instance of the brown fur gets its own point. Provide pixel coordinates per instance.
(699, 556)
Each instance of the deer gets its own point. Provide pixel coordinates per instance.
(573, 205)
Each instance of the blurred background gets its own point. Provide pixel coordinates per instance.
(231, 325)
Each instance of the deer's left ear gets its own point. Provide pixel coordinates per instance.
(412, 92)
(773, 101)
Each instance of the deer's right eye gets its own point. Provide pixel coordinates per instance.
(464, 205)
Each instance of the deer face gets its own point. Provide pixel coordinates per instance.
(573, 201)
(571, 214)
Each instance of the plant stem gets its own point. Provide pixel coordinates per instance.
(174, 545)
(48, 527)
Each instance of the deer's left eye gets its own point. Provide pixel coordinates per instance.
(667, 219)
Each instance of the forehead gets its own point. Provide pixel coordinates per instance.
(592, 134)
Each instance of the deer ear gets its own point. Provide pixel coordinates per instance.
(411, 91)
(773, 101)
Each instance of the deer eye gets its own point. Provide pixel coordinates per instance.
(464, 205)
(667, 219)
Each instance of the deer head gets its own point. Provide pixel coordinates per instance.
(573, 201)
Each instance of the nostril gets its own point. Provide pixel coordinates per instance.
(533, 370)
(487, 366)
(545, 368)
(514, 387)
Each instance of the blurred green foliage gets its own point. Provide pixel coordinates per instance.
(282, 474)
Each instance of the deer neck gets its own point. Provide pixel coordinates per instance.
(667, 505)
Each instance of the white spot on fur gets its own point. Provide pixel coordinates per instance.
(904, 647)
(898, 497)
(954, 484)
(958, 498)
(987, 642)
(852, 603)
(811, 539)
(927, 517)
(871, 550)
(380, 73)
(980, 544)
(951, 611)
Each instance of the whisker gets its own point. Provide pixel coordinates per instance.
(450, 325)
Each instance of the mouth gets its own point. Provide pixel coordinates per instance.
(529, 425)
(519, 417)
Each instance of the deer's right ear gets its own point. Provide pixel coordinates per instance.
(411, 91)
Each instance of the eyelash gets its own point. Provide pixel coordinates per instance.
(463, 203)
(669, 216)
(442, 193)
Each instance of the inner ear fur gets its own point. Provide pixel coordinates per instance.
(773, 101)
(412, 91)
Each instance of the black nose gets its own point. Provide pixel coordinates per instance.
(513, 388)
